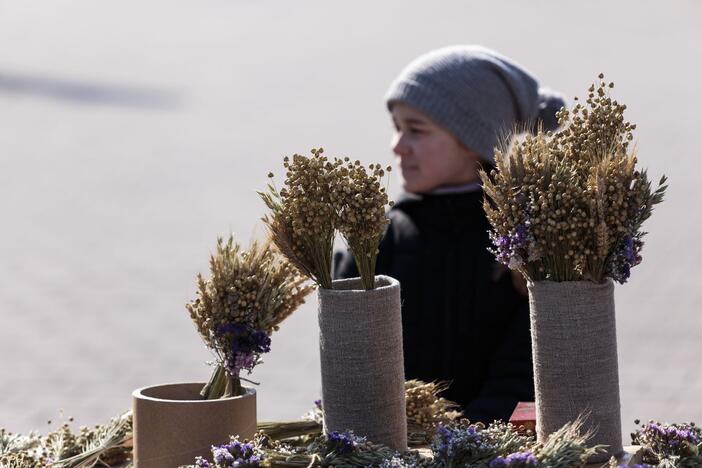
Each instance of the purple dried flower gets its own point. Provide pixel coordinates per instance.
(514, 460)
(245, 345)
(340, 442)
(512, 249)
(628, 251)
(624, 258)
(443, 443)
(674, 439)
(234, 454)
(221, 455)
(520, 237)
(503, 251)
(260, 342)
(201, 463)
(460, 445)
(525, 458)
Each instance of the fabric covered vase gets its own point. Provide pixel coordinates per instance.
(173, 424)
(363, 378)
(574, 344)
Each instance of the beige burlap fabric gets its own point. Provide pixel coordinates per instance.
(363, 374)
(574, 343)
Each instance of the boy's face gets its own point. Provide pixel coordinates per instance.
(428, 156)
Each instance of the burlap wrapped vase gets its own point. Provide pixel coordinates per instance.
(362, 361)
(574, 345)
(173, 424)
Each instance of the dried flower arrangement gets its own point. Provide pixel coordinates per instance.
(501, 445)
(567, 210)
(249, 293)
(466, 444)
(320, 198)
(103, 445)
(569, 205)
(334, 449)
(669, 445)
(457, 444)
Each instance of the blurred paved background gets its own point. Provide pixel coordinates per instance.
(133, 133)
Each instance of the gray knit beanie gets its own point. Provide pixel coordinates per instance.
(476, 94)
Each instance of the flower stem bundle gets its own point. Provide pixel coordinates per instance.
(569, 206)
(249, 293)
(567, 447)
(108, 444)
(302, 215)
(361, 215)
(426, 409)
(320, 198)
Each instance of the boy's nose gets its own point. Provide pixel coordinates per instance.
(399, 145)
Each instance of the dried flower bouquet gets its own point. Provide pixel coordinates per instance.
(569, 205)
(320, 198)
(248, 294)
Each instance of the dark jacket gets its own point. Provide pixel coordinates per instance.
(463, 321)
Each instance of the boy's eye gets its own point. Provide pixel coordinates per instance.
(415, 130)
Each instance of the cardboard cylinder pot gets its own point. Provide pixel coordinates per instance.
(574, 343)
(173, 424)
(363, 375)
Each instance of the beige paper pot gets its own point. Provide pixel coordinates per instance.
(172, 425)
(363, 377)
(574, 343)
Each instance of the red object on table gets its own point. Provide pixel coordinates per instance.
(524, 416)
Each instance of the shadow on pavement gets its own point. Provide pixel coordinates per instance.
(84, 92)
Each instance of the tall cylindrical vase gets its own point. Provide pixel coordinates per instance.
(574, 344)
(361, 354)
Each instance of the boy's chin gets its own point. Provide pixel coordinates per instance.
(415, 187)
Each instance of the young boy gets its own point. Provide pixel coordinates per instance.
(464, 321)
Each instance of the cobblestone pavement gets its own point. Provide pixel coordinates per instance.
(133, 133)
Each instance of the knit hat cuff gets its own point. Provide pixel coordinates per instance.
(460, 121)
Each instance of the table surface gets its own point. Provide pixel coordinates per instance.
(632, 456)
